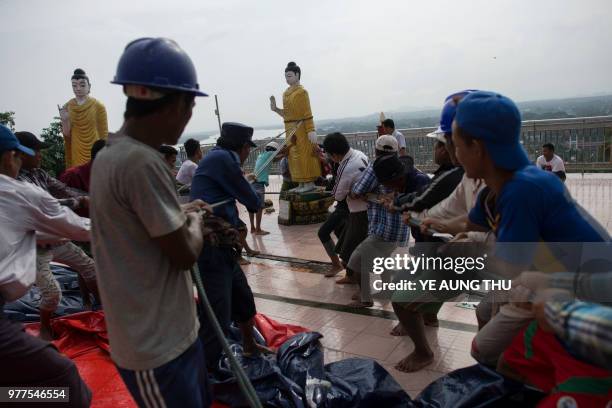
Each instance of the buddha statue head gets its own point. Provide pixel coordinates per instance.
(80, 84)
(292, 74)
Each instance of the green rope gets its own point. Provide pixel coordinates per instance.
(243, 381)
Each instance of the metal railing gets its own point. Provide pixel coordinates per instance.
(585, 144)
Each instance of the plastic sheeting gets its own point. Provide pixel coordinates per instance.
(297, 377)
(82, 337)
(26, 308)
(476, 386)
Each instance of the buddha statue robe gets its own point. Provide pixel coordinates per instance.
(304, 164)
(88, 123)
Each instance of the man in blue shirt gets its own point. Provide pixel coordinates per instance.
(218, 178)
(260, 180)
(529, 210)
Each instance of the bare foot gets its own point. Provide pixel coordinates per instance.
(261, 232)
(252, 350)
(253, 231)
(431, 320)
(360, 305)
(333, 271)
(242, 261)
(344, 281)
(414, 362)
(398, 330)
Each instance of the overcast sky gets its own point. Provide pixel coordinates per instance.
(357, 57)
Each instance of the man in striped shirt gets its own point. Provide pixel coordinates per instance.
(386, 231)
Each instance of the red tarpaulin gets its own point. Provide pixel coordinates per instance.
(82, 338)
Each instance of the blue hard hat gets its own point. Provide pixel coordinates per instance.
(157, 62)
(448, 114)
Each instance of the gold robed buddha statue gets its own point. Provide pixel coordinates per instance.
(83, 121)
(304, 162)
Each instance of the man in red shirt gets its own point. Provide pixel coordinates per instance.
(78, 176)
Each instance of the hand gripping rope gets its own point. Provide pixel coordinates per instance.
(373, 198)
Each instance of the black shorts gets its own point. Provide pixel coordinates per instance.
(228, 292)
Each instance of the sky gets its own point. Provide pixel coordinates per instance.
(357, 57)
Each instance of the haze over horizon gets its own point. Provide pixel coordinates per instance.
(357, 57)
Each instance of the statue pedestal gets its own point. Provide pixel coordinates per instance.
(304, 208)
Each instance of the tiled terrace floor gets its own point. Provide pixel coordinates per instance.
(298, 293)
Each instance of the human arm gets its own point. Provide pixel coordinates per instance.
(59, 189)
(452, 206)
(593, 287)
(184, 245)
(561, 175)
(367, 183)
(450, 226)
(176, 230)
(433, 194)
(226, 171)
(584, 327)
(45, 215)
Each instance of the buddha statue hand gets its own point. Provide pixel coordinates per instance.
(273, 103)
(65, 119)
(312, 136)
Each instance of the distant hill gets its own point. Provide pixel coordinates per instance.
(531, 110)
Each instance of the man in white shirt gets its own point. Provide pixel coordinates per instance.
(189, 166)
(389, 129)
(351, 164)
(549, 161)
(24, 210)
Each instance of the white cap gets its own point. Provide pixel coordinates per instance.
(387, 143)
(438, 134)
(273, 144)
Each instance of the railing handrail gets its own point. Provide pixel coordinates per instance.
(525, 123)
(585, 143)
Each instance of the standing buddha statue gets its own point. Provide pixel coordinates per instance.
(304, 164)
(83, 121)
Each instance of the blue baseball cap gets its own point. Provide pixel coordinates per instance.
(448, 115)
(8, 141)
(494, 119)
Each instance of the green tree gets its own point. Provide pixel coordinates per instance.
(8, 119)
(53, 157)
